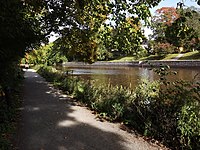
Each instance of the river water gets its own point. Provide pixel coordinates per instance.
(127, 76)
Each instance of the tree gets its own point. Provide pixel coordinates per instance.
(193, 20)
(20, 30)
(48, 55)
(128, 36)
(80, 22)
(183, 30)
(164, 17)
(175, 26)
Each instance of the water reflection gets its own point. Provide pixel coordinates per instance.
(127, 76)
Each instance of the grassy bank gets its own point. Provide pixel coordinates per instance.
(186, 56)
(166, 111)
(191, 56)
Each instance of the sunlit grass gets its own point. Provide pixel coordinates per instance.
(187, 56)
(156, 57)
(124, 59)
(170, 56)
(191, 56)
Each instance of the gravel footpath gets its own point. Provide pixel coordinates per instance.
(52, 121)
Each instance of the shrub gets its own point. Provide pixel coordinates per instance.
(114, 101)
(163, 48)
(185, 102)
(180, 115)
(59, 79)
(87, 93)
(141, 112)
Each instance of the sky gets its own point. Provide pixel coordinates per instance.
(173, 3)
(170, 3)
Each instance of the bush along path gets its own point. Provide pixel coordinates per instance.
(163, 110)
(53, 121)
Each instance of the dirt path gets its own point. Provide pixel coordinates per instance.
(51, 121)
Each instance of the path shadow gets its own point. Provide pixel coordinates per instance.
(49, 123)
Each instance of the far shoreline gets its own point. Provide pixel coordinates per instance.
(149, 63)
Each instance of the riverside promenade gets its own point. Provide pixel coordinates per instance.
(54, 121)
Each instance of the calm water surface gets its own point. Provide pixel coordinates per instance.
(127, 76)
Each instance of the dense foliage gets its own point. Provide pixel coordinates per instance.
(20, 30)
(177, 27)
(10, 100)
(47, 55)
(98, 28)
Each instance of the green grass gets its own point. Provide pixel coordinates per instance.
(123, 59)
(151, 57)
(170, 56)
(187, 56)
(191, 56)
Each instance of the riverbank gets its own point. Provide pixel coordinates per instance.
(156, 63)
(148, 109)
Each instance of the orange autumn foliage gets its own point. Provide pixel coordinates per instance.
(167, 15)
